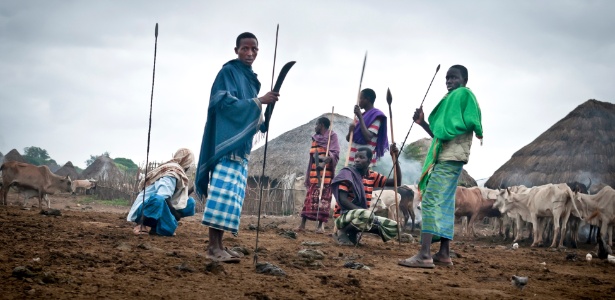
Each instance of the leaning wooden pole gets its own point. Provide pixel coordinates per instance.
(354, 120)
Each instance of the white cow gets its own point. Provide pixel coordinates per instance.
(387, 202)
(83, 184)
(520, 214)
(551, 200)
(599, 209)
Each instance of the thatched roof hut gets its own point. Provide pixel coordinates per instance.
(288, 153)
(414, 155)
(68, 170)
(578, 147)
(14, 155)
(103, 168)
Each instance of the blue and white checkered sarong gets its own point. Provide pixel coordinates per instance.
(226, 194)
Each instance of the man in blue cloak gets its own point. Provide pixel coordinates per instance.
(233, 117)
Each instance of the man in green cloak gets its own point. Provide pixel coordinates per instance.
(451, 125)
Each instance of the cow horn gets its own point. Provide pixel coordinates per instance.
(573, 196)
(589, 185)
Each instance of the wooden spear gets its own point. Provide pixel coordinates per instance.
(324, 170)
(394, 157)
(355, 117)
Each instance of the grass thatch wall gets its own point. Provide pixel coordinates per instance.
(14, 155)
(68, 170)
(578, 147)
(101, 169)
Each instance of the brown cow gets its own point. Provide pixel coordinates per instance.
(469, 202)
(29, 177)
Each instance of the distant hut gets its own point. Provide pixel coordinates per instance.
(68, 170)
(579, 147)
(103, 168)
(14, 155)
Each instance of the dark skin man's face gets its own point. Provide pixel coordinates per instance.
(247, 50)
(363, 101)
(361, 162)
(454, 79)
(319, 127)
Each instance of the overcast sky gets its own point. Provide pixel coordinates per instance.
(75, 76)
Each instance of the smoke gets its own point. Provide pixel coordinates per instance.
(410, 169)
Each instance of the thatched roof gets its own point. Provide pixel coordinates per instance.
(14, 155)
(417, 151)
(289, 152)
(103, 168)
(578, 147)
(68, 169)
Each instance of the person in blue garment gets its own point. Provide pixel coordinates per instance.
(166, 197)
(233, 118)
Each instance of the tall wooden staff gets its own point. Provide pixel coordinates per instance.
(324, 170)
(394, 157)
(149, 130)
(355, 117)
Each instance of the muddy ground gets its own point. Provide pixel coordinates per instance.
(90, 252)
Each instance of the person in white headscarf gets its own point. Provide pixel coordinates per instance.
(166, 198)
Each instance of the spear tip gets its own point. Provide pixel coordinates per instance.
(156, 31)
(438, 68)
(389, 96)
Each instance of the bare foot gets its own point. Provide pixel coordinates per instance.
(141, 229)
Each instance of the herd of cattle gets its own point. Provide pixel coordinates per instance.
(551, 208)
(562, 207)
(37, 181)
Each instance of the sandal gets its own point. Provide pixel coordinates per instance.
(233, 253)
(414, 262)
(223, 259)
(439, 262)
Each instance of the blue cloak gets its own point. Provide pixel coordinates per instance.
(232, 119)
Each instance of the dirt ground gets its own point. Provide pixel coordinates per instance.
(90, 252)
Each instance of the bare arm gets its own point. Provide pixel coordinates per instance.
(367, 135)
(345, 203)
(419, 118)
(391, 181)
